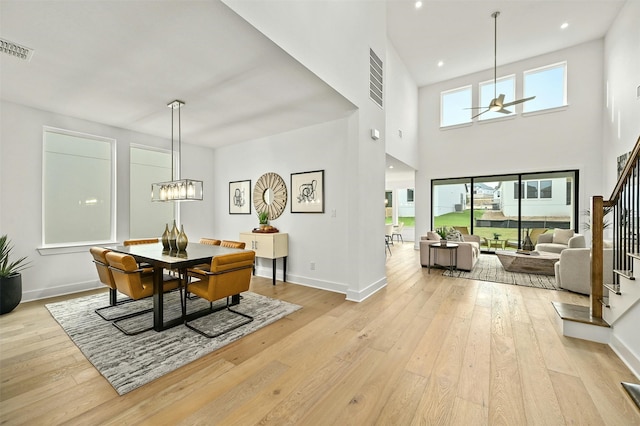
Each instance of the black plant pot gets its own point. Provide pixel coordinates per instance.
(10, 293)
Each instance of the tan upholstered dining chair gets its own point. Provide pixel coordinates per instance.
(228, 275)
(133, 282)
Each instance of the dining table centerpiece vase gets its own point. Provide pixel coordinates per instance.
(173, 237)
(182, 240)
(165, 237)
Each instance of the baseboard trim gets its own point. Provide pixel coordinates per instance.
(625, 354)
(45, 293)
(359, 296)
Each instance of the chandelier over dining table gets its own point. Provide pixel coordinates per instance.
(177, 189)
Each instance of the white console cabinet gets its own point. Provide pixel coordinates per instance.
(269, 246)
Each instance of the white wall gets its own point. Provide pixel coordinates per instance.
(21, 196)
(621, 117)
(333, 39)
(319, 238)
(621, 106)
(401, 111)
(560, 140)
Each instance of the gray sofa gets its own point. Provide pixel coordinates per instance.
(560, 239)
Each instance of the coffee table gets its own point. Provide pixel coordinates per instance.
(535, 262)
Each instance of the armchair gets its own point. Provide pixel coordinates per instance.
(573, 270)
(228, 275)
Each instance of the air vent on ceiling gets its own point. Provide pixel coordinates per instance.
(375, 78)
(14, 49)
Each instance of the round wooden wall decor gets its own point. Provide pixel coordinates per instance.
(270, 195)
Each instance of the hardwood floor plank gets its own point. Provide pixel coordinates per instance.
(424, 349)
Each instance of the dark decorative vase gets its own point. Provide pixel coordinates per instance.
(10, 293)
(173, 237)
(182, 240)
(527, 244)
(165, 237)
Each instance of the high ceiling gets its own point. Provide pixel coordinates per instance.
(121, 62)
(461, 33)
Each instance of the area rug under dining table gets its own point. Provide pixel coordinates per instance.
(128, 362)
(489, 268)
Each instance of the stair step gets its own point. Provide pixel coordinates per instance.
(625, 273)
(577, 313)
(633, 390)
(605, 302)
(613, 288)
(636, 255)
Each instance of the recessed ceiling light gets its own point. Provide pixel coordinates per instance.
(418, 4)
(564, 25)
(391, 167)
(440, 63)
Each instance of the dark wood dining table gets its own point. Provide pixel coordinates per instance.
(161, 259)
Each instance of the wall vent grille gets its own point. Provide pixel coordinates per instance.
(375, 78)
(15, 50)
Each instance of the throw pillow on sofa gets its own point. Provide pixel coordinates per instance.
(454, 235)
(562, 236)
(433, 235)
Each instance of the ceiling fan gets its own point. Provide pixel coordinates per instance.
(497, 103)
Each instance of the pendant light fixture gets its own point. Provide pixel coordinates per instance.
(176, 189)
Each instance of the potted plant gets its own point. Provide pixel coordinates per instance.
(443, 235)
(10, 277)
(263, 218)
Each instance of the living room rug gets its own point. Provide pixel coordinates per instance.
(489, 268)
(128, 362)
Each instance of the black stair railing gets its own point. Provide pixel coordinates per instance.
(623, 205)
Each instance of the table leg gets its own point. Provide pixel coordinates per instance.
(273, 270)
(284, 269)
(158, 307)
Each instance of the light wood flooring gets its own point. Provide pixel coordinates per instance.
(424, 350)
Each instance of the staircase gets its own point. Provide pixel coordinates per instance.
(613, 316)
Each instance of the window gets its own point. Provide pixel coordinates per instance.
(452, 107)
(545, 189)
(505, 86)
(146, 218)
(78, 193)
(532, 189)
(549, 86)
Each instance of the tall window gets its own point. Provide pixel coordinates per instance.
(146, 218)
(452, 106)
(78, 188)
(548, 85)
(504, 86)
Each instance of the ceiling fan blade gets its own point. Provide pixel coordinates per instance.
(479, 114)
(475, 108)
(504, 111)
(519, 101)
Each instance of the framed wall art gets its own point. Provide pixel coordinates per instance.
(240, 197)
(307, 192)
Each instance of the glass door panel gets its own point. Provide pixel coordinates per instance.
(495, 212)
(548, 202)
(450, 203)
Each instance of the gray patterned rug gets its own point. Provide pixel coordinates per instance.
(489, 268)
(128, 362)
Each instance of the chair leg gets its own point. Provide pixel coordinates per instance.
(113, 301)
(211, 336)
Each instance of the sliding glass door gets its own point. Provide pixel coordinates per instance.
(507, 212)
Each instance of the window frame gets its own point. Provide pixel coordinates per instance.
(538, 70)
(112, 192)
(468, 87)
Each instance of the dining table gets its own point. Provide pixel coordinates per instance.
(160, 259)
